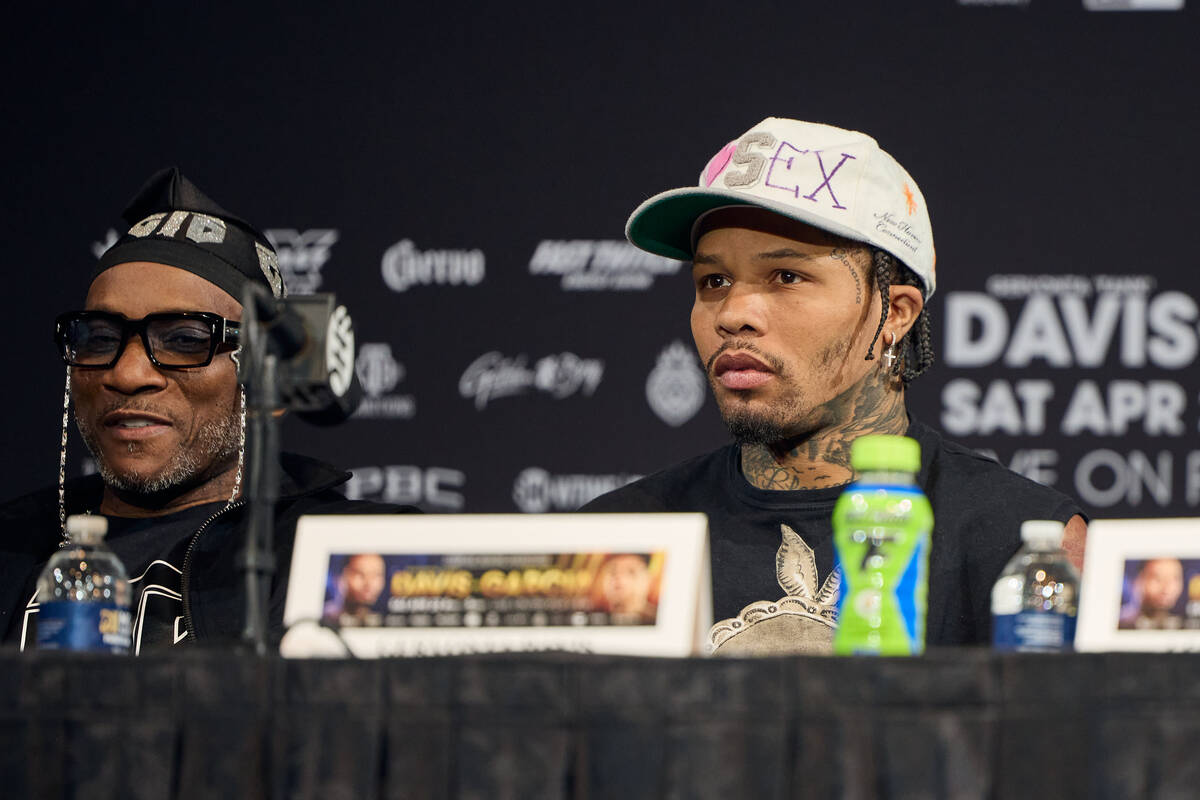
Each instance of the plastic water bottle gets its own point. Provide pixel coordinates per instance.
(1035, 601)
(881, 536)
(83, 594)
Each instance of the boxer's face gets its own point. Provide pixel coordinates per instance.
(782, 320)
(152, 429)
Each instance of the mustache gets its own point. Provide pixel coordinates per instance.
(137, 407)
(747, 346)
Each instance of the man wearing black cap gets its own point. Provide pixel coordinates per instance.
(151, 369)
(812, 260)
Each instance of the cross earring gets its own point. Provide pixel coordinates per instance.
(890, 354)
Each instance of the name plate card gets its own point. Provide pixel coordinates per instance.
(434, 585)
(1141, 586)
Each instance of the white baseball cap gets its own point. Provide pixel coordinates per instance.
(834, 179)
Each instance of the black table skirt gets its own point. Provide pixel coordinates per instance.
(953, 724)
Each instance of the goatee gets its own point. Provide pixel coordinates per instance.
(191, 464)
(749, 428)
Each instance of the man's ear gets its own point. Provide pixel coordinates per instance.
(906, 305)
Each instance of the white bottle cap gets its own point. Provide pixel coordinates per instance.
(87, 526)
(1043, 531)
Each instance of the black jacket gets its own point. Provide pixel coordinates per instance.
(213, 586)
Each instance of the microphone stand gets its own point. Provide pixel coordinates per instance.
(282, 341)
(257, 560)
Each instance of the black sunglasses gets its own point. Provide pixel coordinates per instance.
(175, 340)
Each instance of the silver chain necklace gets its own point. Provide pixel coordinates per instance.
(62, 458)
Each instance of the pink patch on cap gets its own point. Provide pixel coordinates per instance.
(718, 163)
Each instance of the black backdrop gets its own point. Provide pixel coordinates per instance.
(460, 177)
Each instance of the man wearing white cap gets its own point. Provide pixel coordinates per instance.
(813, 260)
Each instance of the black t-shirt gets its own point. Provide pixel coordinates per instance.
(152, 550)
(767, 545)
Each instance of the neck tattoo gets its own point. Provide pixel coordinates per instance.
(821, 458)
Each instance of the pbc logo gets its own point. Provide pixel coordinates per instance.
(301, 255)
(431, 488)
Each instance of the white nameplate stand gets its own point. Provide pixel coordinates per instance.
(1141, 586)
(430, 585)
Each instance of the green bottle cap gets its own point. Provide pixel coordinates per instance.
(878, 451)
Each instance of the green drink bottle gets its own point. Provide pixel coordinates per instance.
(881, 540)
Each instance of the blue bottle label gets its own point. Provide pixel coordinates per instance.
(881, 546)
(1033, 631)
(90, 627)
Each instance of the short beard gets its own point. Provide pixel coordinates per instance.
(775, 426)
(747, 428)
(214, 444)
(788, 420)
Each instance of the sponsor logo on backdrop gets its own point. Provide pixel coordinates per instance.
(599, 264)
(301, 255)
(406, 266)
(379, 373)
(494, 375)
(537, 491)
(1133, 5)
(101, 247)
(676, 387)
(1138, 340)
(431, 488)
(339, 351)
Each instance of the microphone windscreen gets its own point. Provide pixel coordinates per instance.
(339, 410)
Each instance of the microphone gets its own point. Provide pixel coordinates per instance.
(285, 329)
(312, 338)
(339, 410)
(346, 392)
